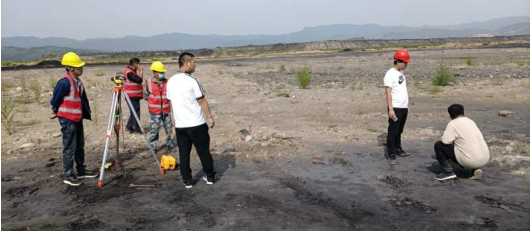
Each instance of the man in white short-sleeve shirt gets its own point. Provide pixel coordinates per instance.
(189, 105)
(397, 100)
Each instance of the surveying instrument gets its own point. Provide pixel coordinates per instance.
(115, 124)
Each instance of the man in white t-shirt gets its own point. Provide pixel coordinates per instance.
(189, 105)
(397, 100)
(463, 144)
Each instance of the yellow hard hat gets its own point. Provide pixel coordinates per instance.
(158, 66)
(72, 59)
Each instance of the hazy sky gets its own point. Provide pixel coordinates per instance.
(82, 19)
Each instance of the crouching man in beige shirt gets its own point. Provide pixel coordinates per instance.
(463, 144)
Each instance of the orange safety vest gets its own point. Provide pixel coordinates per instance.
(157, 100)
(131, 88)
(71, 108)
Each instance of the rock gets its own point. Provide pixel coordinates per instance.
(509, 148)
(243, 132)
(451, 83)
(428, 132)
(281, 136)
(18, 89)
(283, 95)
(317, 160)
(145, 155)
(248, 138)
(505, 113)
(27, 145)
(55, 135)
(229, 150)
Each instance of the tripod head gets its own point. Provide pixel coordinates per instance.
(118, 80)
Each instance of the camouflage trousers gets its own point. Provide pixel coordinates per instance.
(154, 126)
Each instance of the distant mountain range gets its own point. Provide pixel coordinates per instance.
(10, 53)
(179, 41)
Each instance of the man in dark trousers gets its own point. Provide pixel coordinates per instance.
(189, 106)
(463, 144)
(70, 106)
(134, 74)
(397, 100)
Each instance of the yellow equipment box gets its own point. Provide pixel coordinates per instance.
(168, 162)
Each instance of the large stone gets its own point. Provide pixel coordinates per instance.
(243, 132)
(27, 145)
(283, 94)
(229, 151)
(248, 138)
(145, 155)
(505, 113)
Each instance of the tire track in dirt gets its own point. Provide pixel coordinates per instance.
(500, 203)
(399, 201)
(312, 197)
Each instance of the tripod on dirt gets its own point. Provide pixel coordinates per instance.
(114, 124)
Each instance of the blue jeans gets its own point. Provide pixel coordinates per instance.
(73, 147)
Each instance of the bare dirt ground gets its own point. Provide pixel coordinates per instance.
(313, 158)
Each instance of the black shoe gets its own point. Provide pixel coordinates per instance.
(188, 184)
(88, 174)
(402, 153)
(72, 180)
(130, 130)
(445, 176)
(208, 180)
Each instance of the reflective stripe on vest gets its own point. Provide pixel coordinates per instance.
(157, 101)
(71, 108)
(166, 105)
(132, 89)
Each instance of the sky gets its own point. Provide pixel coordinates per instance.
(82, 19)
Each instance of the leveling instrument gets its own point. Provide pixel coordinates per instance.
(114, 125)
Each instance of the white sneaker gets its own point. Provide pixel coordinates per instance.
(208, 180)
(188, 184)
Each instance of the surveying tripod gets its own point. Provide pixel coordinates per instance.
(114, 124)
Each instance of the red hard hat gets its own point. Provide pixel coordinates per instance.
(402, 55)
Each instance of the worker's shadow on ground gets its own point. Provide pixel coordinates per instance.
(222, 164)
(436, 168)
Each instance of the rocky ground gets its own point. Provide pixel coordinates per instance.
(287, 158)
